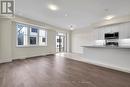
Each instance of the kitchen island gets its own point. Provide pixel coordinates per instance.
(108, 56)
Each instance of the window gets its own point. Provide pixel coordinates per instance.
(21, 34)
(59, 40)
(33, 36)
(42, 37)
(30, 36)
(34, 30)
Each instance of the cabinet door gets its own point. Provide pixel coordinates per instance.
(128, 33)
(101, 34)
(96, 32)
(123, 31)
(128, 30)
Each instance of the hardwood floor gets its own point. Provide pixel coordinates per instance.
(54, 71)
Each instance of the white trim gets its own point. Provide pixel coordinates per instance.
(79, 57)
(108, 66)
(4, 60)
(17, 34)
(28, 35)
(31, 24)
(46, 36)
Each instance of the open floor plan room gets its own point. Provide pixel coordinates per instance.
(64, 43)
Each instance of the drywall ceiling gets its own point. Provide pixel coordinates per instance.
(79, 13)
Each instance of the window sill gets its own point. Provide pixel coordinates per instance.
(30, 46)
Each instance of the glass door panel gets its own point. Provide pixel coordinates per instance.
(60, 43)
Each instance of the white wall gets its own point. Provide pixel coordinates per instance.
(8, 49)
(81, 38)
(5, 39)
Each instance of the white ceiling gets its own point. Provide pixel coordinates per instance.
(81, 13)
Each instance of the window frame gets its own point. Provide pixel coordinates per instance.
(17, 35)
(37, 38)
(28, 36)
(46, 36)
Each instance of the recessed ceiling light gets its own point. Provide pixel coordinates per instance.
(109, 17)
(66, 15)
(53, 7)
(71, 27)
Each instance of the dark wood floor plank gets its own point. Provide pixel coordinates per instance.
(55, 71)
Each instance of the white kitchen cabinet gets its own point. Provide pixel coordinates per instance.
(123, 29)
(96, 32)
(99, 34)
(128, 33)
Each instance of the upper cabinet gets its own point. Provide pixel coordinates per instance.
(99, 34)
(128, 33)
(123, 29)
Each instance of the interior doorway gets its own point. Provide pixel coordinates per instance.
(60, 42)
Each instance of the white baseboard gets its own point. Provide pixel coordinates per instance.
(24, 57)
(109, 66)
(4, 60)
(82, 59)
